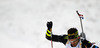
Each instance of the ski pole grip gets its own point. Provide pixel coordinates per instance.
(77, 12)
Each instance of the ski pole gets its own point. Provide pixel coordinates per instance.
(51, 39)
(81, 17)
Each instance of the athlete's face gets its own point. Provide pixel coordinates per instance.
(73, 41)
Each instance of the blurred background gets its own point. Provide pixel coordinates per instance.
(23, 22)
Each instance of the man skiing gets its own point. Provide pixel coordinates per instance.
(72, 40)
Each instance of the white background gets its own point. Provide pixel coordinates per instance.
(23, 22)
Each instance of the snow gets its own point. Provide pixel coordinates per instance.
(23, 22)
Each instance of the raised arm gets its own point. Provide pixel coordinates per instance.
(56, 38)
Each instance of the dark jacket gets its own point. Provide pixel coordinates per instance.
(64, 38)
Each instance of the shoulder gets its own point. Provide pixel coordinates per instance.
(86, 43)
(65, 36)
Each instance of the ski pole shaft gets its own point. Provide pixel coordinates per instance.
(51, 41)
(81, 17)
(80, 21)
(51, 44)
(81, 25)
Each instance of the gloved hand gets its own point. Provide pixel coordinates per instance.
(49, 25)
(83, 36)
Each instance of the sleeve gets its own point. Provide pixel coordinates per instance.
(89, 44)
(56, 38)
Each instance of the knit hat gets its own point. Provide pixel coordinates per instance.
(72, 33)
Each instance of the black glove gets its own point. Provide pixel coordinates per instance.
(83, 36)
(49, 25)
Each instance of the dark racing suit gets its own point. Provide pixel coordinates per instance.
(64, 38)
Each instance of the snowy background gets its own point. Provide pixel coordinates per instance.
(23, 22)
